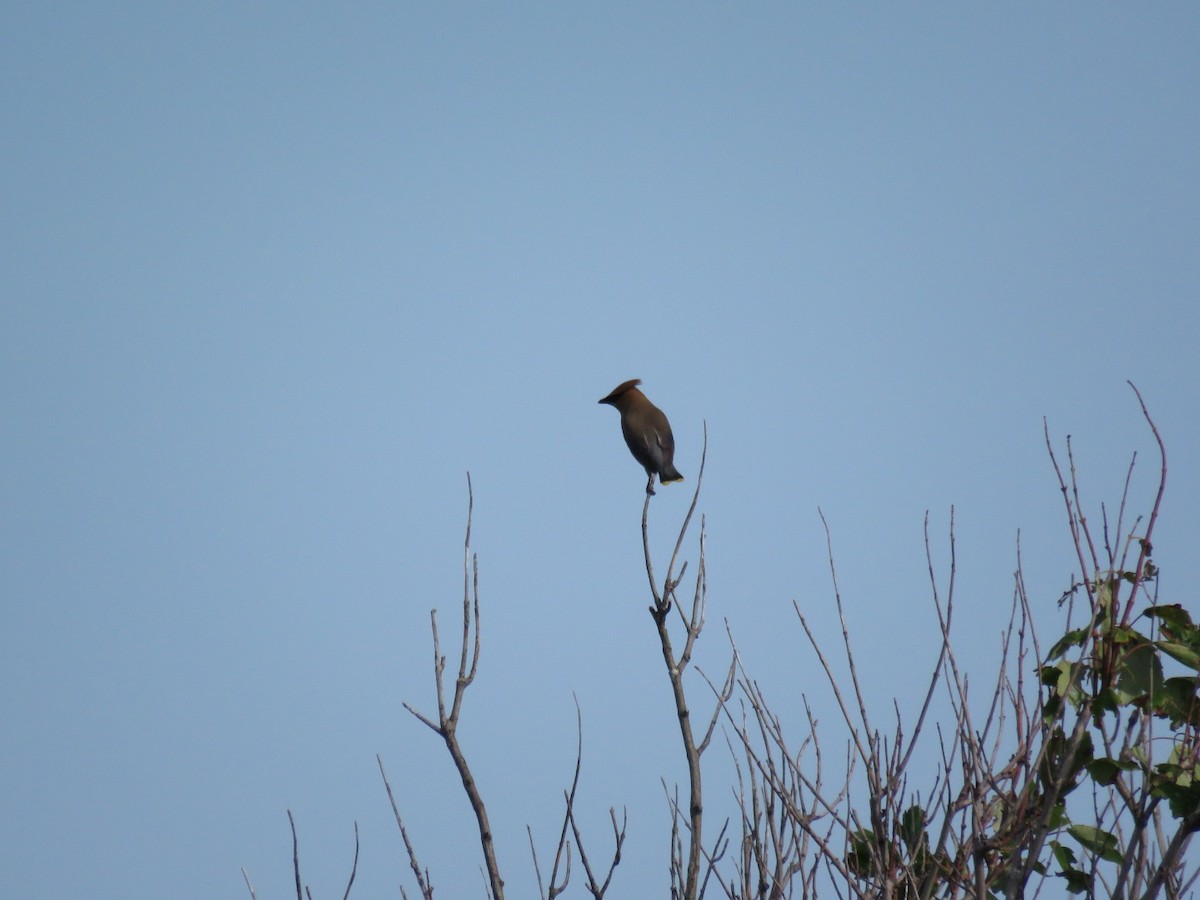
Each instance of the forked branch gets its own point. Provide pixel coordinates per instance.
(446, 726)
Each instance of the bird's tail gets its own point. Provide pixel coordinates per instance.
(669, 475)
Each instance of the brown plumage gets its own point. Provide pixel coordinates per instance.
(647, 432)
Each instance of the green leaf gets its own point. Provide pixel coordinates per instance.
(1058, 815)
(1107, 700)
(1077, 882)
(1180, 653)
(912, 828)
(1104, 771)
(1123, 635)
(1177, 700)
(1063, 855)
(858, 857)
(1100, 842)
(1052, 709)
(1183, 799)
(1057, 677)
(1140, 672)
(1174, 615)
(1074, 638)
(1057, 768)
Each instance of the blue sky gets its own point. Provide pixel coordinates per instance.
(277, 278)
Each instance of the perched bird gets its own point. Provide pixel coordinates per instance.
(647, 432)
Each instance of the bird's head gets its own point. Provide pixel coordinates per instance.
(622, 393)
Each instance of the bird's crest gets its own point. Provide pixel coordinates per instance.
(621, 389)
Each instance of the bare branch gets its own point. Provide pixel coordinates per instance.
(295, 856)
(354, 868)
(422, 876)
(689, 879)
(447, 724)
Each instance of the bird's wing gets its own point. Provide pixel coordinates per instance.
(665, 441)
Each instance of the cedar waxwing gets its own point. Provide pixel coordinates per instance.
(647, 432)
